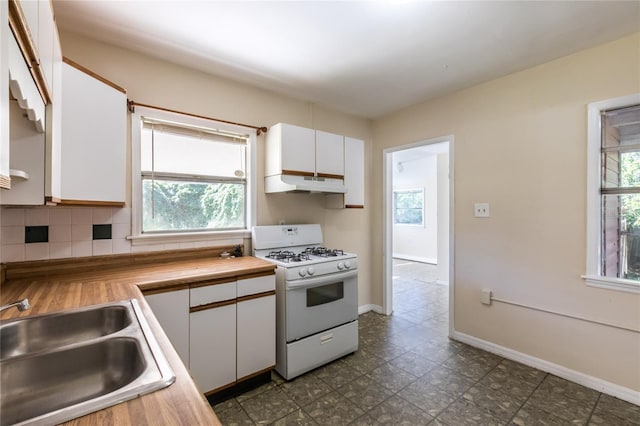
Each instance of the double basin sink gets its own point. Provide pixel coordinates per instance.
(60, 366)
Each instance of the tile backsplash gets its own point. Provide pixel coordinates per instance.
(72, 232)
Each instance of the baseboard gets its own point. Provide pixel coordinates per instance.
(366, 308)
(420, 259)
(441, 282)
(583, 379)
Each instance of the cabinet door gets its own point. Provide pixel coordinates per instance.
(329, 155)
(93, 139)
(212, 360)
(5, 181)
(172, 311)
(354, 172)
(297, 149)
(256, 335)
(27, 155)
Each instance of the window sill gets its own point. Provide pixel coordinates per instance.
(230, 237)
(618, 284)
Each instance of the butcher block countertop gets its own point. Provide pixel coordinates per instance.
(57, 285)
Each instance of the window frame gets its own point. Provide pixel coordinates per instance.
(224, 236)
(421, 190)
(593, 277)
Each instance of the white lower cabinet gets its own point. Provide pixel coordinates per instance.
(172, 311)
(256, 335)
(223, 331)
(212, 351)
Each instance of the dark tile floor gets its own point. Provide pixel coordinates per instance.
(407, 372)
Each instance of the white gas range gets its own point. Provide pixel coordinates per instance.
(316, 297)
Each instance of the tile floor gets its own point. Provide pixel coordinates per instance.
(407, 372)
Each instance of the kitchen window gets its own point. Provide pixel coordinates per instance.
(408, 207)
(613, 194)
(192, 177)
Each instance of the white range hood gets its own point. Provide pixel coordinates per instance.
(309, 184)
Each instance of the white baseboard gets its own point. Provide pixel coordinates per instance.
(421, 259)
(366, 308)
(442, 282)
(595, 383)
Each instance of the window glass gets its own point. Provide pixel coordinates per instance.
(620, 193)
(181, 206)
(408, 206)
(192, 178)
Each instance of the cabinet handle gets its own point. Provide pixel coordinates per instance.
(211, 305)
(256, 296)
(326, 338)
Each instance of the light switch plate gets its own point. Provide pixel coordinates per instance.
(481, 209)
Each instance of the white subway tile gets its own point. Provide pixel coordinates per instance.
(81, 216)
(120, 245)
(60, 250)
(36, 217)
(122, 215)
(12, 217)
(120, 230)
(102, 247)
(102, 215)
(60, 233)
(36, 251)
(81, 232)
(81, 248)
(12, 235)
(13, 253)
(59, 216)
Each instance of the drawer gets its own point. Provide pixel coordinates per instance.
(212, 293)
(256, 285)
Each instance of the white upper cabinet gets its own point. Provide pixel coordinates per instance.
(53, 151)
(329, 155)
(353, 177)
(354, 172)
(294, 150)
(27, 159)
(290, 150)
(5, 180)
(94, 139)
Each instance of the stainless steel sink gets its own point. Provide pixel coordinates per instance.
(51, 331)
(95, 357)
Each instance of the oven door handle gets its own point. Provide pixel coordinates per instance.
(321, 280)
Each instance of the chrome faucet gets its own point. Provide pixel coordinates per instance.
(22, 305)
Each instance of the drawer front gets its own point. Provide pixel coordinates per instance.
(256, 285)
(213, 293)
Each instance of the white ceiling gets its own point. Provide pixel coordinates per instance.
(367, 58)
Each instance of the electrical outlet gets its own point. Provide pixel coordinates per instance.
(481, 209)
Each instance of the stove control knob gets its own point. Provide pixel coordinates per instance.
(311, 271)
(340, 266)
(302, 272)
(347, 264)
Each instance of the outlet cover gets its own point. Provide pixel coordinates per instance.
(481, 209)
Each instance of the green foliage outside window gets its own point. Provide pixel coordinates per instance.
(170, 206)
(409, 207)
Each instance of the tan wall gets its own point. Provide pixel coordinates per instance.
(520, 144)
(161, 83)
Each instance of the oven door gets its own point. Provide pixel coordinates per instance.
(317, 304)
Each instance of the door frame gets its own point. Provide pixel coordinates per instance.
(387, 218)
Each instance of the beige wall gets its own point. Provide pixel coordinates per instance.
(520, 145)
(161, 83)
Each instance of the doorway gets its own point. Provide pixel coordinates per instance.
(418, 229)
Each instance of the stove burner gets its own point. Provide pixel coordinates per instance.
(324, 252)
(287, 256)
